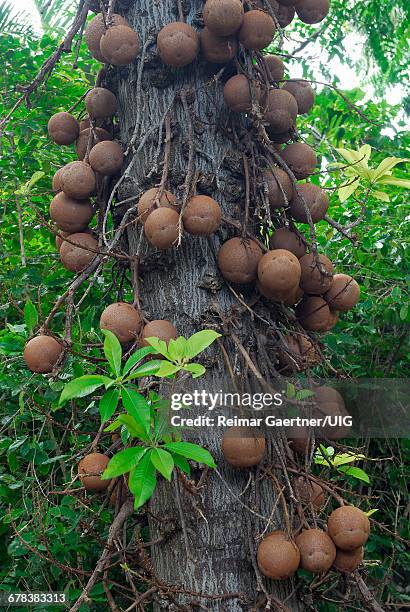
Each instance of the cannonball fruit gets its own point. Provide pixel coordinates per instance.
(238, 260)
(90, 469)
(310, 492)
(348, 527)
(312, 11)
(313, 313)
(56, 181)
(348, 560)
(344, 292)
(317, 274)
(278, 557)
(300, 353)
(76, 257)
(164, 330)
(315, 199)
(70, 215)
(284, 14)
(243, 447)
(161, 228)
(63, 128)
(202, 216)
(122, 320)
(120, 45)
(332, 320)
(218, 49)
(62, 235)
(257, 30)
(330, 403)
(279, 272)
(239, 93)
(106, 157)
(303, 94)
(301, 440)
(97, 135)
(275, 67)
(300, 158)
(223, 17)
(284, 238)
(178, 44)
(317, 550)
(280, 187)
(293, 297)
(101, 103)
(146, 203)
(282, 110)
(96, 29)
(77, 180)
(42, 353)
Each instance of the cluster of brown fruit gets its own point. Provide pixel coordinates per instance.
(90, 469)
(159, 212)
(316, 550)
(113, 43)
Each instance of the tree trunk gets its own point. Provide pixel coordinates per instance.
(211, 552)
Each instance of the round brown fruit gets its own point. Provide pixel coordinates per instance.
(279, 187)
(98, 135)
(312, 11)
(243, 447)
(284, 14)
(278, 557)
(288, 2)
(120, 45)
(279, 139)
(218, 49)
(42, 353)
(317, 551)
(300, 158)
(90, 469)
(62, 235)
(239, 92)
(77, 258)
(56, 181)
(332, 320)
(282, 110)
(223, 17)
(275, 67)
(77, 180)
(315, 280)
(178, 44)
(146, 203)
(63, 128)
(101, 103)
(161, 228)
(85, 123)
(303, 93)
(300, 353)
(70, 215)
(300, 439)
(202, 216)
(344, 292)
(96, 29)
(106, 157)
(279, 272)
(310, 492)
(293, 297)
(316, 201)
(313, 313)
(122, 320)
(238, 260)
(330, 403)
(164, 330)
(257, 30)
(348, 527)
(348, 560)
(284, 238)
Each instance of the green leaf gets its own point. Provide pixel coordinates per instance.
(163, 462)
(112, 351)
(347, 190)
(123, 462)
(386, 166)
(137, 406)
(82, 386)
(372, 511)
(142, 481)
(199, 342)
(167, 369)
(177, 348)
(191, 451)
(380, 195)
(397, 182)
(134, 429)
(137, 357)
(403, 312)
(113, 426)
(182, 464)
(159, 345)
(30, 316)
(355, 472)
(150, 368)
(342, 458)
(304, 394)
(108, 403)
(196, 369)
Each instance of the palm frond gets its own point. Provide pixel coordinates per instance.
(56, 15)
(14, 22)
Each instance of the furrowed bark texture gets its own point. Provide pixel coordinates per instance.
(211, 555)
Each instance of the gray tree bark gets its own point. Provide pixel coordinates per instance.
(211, 554)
